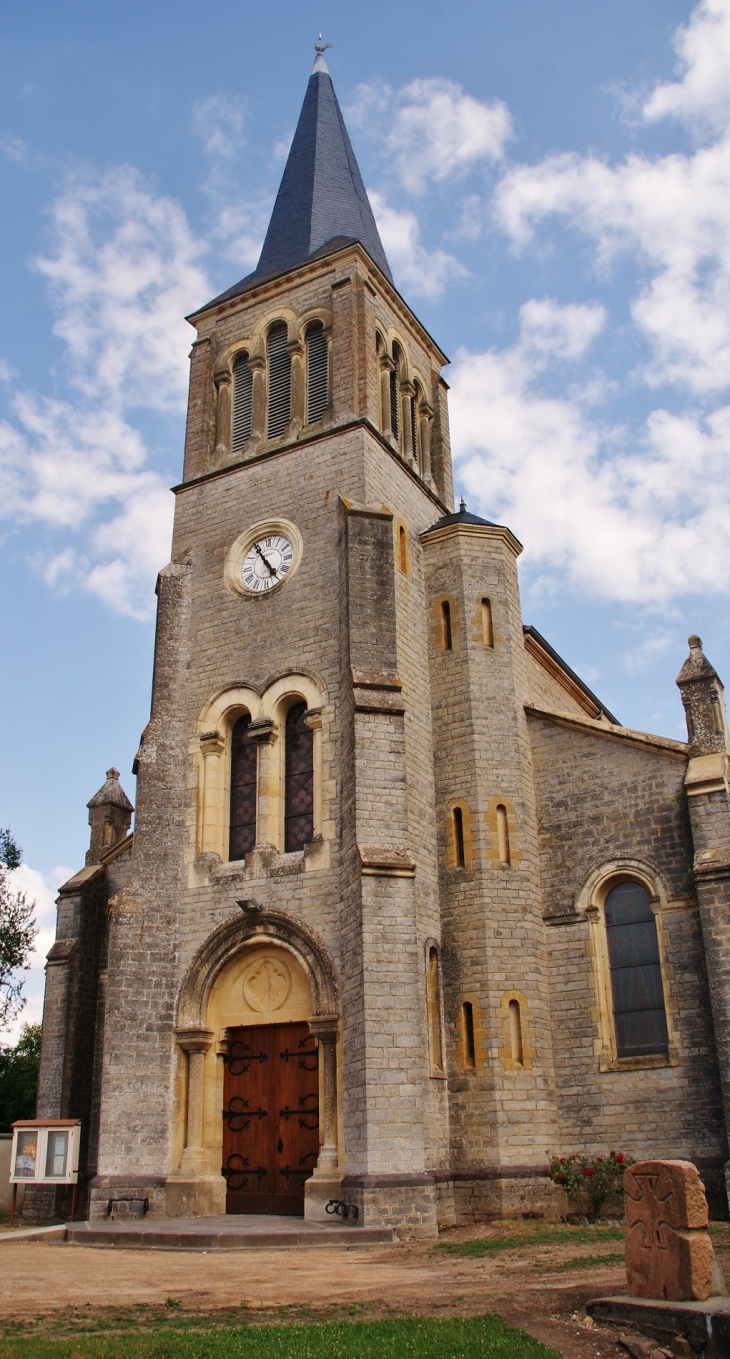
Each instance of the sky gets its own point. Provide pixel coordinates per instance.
(552, 186)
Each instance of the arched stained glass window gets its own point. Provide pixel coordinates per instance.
(279, 381)
(299, 780)
(636, 978)
(243, 790)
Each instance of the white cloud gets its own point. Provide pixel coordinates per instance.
(220, 122)
(556, 331)
(13, 148)
(41, 888)
(431, 130)
(123, 270)
(422, 272)
(643, 525)
(702, 97)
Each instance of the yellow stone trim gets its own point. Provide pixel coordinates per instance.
(480, 1034)
(452, 858)
(493, 853)
(506, 1052)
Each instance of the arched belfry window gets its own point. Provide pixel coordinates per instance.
(636, 978)
(242, 394)
(395, 394)
(278, 364)
(413, 402)
(243, 790)
(298, 780)
(317, 374)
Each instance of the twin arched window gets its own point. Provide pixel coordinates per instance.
(639, 1013)
(298, 784)
(279, 384)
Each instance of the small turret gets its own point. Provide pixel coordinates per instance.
(110, 816)
(704, 703)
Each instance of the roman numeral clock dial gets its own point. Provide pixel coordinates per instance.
(267, 563)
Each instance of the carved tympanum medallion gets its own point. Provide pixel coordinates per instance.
(267, 985)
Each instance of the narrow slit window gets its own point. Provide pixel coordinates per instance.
(242, 398)
(470, 1055)
(459, 837)
(278, 362)
(402, 550)
(717, 721)
(299, 780)
(317, 375)
(487, 629)
(636, 977)
(515, 1033)
(243, 790)
(503, 834)
(394, 412)
(446, 625)
(434, 1010)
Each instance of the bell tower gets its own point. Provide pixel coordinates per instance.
(286, 777)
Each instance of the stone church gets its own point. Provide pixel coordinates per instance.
(405, 907)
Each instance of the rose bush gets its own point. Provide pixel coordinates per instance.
(589, 1181)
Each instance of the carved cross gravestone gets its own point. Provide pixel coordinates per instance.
(668, 1249)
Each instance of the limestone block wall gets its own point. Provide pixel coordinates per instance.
(502, 1102)
(607, 803)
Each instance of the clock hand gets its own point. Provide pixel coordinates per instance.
(264, 560)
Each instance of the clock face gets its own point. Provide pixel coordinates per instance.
(267, 562)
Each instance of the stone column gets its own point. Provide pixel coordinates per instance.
(223, 381)
(407, 394)
(264, 731)
(313, 719)
(425, 416)
(196, 1043)
(297, 414)
(212, 746)
(257, 364)
(326, 1181)
(387, 366)
(192, 1191)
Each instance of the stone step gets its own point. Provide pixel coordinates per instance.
(222, 1233)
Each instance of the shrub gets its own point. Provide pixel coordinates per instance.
(589, 1181)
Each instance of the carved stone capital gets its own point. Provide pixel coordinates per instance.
(194, 1040)
(223, 377)
(324, 1028)
(212, 743)
(264, 730)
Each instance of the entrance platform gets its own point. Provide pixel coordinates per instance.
(227, 1232)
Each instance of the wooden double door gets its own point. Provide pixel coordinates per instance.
(270, 1117)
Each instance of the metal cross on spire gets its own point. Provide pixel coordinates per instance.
(320, 48)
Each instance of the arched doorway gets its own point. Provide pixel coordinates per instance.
(257, 1104)
(260, 1005)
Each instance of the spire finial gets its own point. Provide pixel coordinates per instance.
(320, 48)
(462, 506)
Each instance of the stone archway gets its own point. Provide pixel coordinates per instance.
(262, 968)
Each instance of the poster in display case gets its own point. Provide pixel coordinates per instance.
(45, 1151)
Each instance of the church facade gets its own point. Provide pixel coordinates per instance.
(405, 908)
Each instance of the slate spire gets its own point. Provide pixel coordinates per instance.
(321, 203)
(321, 195)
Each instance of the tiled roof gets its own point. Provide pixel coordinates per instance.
(321, 204)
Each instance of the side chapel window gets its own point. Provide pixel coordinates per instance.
(317, 362)
(242, 395)
(299, 780)
(636, 979)
(243, 790)
(278, 363)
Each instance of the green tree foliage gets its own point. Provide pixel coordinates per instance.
(19, 1076)
(17, 932)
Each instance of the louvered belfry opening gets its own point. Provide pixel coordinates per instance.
(414, 426)
(243, 790)
(394, 421)
(299, 781)
(279, 381)
(317, 374)
(242, 395)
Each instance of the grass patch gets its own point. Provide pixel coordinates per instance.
(589, 1262)
(556, 1236)
(485, 1337)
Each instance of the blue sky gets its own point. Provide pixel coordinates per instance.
(552, 184)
